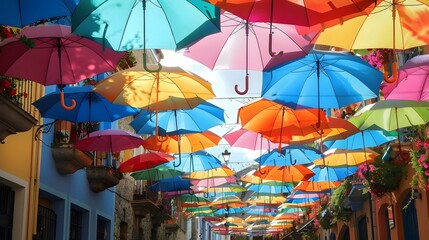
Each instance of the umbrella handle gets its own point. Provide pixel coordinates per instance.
(270, 46)
(394, 76)
(146, 67)
(63, 104)
(246, 89)
(261, 171)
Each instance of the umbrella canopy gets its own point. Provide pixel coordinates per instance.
(181, 121)
(265, 189)
(212, 182)
(145, 161)
(331, 174)
(195, 162)
(322, 80)
(186, 143)
(226, 188)
(303, 13)
(20, 13)
(413, 80)
(191, 200)
(109, 140)
(230, 211)
(171, 184)
(173, 88)
(392, 114)
(223, 171)
(58, 56)
(289, 155)
(227, 201)
(270, 118)
(248, 139)
(343, 158)
(266, 200)
(285, 173)
(145, 24)
(156, 173)
(390, 25)
(312, 186)
(90, 106)
(362, 139)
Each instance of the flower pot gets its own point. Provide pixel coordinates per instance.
(100, 177)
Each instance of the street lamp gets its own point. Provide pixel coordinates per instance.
(226, 155)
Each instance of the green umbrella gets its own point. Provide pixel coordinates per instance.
(392, 114)
(156, 173)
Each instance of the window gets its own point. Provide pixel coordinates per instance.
(123, 229)
(46, 223)
(102, 228)
(75, 224)
(7, 199)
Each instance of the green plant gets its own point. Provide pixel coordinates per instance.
(338, 197)
(309, 232)
(8, 32)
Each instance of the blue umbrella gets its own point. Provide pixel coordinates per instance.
(331, 174)
(199, 119)
(171, 184)
(264, 189)
(290, 155)
(90, 106)
(230, 211)
(140, 24)
(322, 80)
(193, 162)
(362, 139)
(20, 13)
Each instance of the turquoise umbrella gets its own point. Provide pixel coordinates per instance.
(290, 155)
(362, 139)
(143, 24)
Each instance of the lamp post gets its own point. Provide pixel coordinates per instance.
(226, 155)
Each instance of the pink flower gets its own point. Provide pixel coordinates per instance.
(427, 172)
(426, 165)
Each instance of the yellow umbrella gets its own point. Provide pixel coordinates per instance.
(341, 157)
(259, 200)
(223, 171)
(225, 188)
(390, 18)
(231, 201)
(254, 218)
(189, 143)
(173, 88)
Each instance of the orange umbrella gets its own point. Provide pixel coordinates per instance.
(145, 161)
(230, 201)
(342, 157)
(285, 173)
(311, 186)
(191, 142)
(223, 171)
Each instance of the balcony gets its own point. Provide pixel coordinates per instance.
(101, 177)
(147, 202)
(15, 110)
(67, 158)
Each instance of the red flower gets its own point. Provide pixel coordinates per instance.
(5, 83)
(12, 92)
(25, 95)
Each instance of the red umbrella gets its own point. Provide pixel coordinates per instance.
(58, 56)
(145, 161)
(109, 140)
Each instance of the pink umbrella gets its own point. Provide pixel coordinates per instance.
(212, 182)
(229, 49)
(58, 57)
(145, 161)
(109, 140)
(248, 139)
(413, 81)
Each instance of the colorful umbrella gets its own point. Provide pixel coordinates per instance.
(90, 106)
(191, 200)
(322, 80)
(213, 182)
(177, 89)
(181, 121)
(265, 200)
(171, 184)
(248, 139)
(265, 189)
(289, 155)
(392, 114)
(232, 188)
(195, 162)
(186, 143)
(145, 161)
(362, 139)
(343, 158)
(413, 80)
(109, 140)
(227, 201)
(331, 174)
(285, 173)
(58, 57)
(145, 24)
(20, 13)
(223, 171)
(214, 51)
(156, 173)
(390, 25)
(303, 13)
